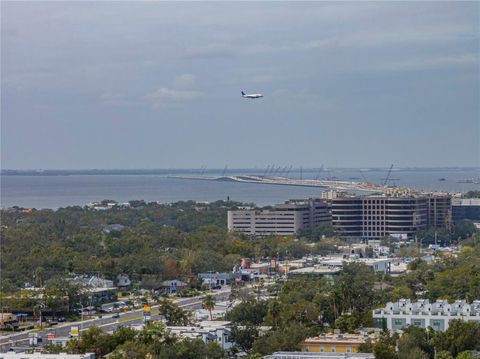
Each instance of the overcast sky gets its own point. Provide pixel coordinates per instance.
(157, 85)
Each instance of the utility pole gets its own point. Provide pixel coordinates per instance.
(41, 306)
(81, 320)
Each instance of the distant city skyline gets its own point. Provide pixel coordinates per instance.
(150, 85)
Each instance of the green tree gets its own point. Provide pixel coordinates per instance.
(174, 315)
(459, 337)
(443, 355)
(465, 355)
(208, 303)
(284, 339)
(402, 291)
(354, 287)
(414, 344)
(384, 351)
(250, 312)
(192, 349)
(244, 336)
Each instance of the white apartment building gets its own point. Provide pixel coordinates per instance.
(207, 331)
(13, 355)
(284, 219)
(424, 314)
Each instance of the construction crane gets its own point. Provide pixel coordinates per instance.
(272, 167)
(266, 171)
(276, 171)
(363, 176)
(282, 172)
(319, 172)
(388, 176)
(288, 171)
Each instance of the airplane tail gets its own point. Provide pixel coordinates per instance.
(243, 93)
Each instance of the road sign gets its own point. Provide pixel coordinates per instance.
(74, 332)
(33, 339)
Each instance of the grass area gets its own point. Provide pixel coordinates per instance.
(138, 316)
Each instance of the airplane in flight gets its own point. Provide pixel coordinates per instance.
(251, 95)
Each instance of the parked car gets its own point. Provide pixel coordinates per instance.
(116, 315)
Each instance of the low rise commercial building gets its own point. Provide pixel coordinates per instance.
(334, 343)
(172, 286)
(423, 314)
(305, 355)
(99, 290)
(284, 219)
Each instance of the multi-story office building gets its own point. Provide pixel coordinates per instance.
(465, 208)
(439, 210)
(423, 314)
(347, 215)
(368, 217)
(284, 219)
(377, 216)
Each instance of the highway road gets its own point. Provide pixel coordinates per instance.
(107, 323)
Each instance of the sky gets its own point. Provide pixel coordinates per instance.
(157, 84)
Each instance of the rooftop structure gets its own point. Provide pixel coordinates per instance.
(377, 264)
(93, 282)
(207, 331)
(424, 314)
(316, 270)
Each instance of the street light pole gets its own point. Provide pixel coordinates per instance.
(81, 320)
(41, 306)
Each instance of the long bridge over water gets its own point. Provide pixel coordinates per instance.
(335, 185)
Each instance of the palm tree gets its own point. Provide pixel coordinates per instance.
(208, 303)
(274, 310)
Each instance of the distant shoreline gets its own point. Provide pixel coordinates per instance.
(166, 171)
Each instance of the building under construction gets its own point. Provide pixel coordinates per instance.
(396, 214)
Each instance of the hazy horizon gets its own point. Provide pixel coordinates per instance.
(154, 85)
(259, 168)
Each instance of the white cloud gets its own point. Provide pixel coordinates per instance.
(169, 97)
(184, 81)
(113, 99)
(434, 63)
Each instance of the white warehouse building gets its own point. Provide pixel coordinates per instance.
(424, 314)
